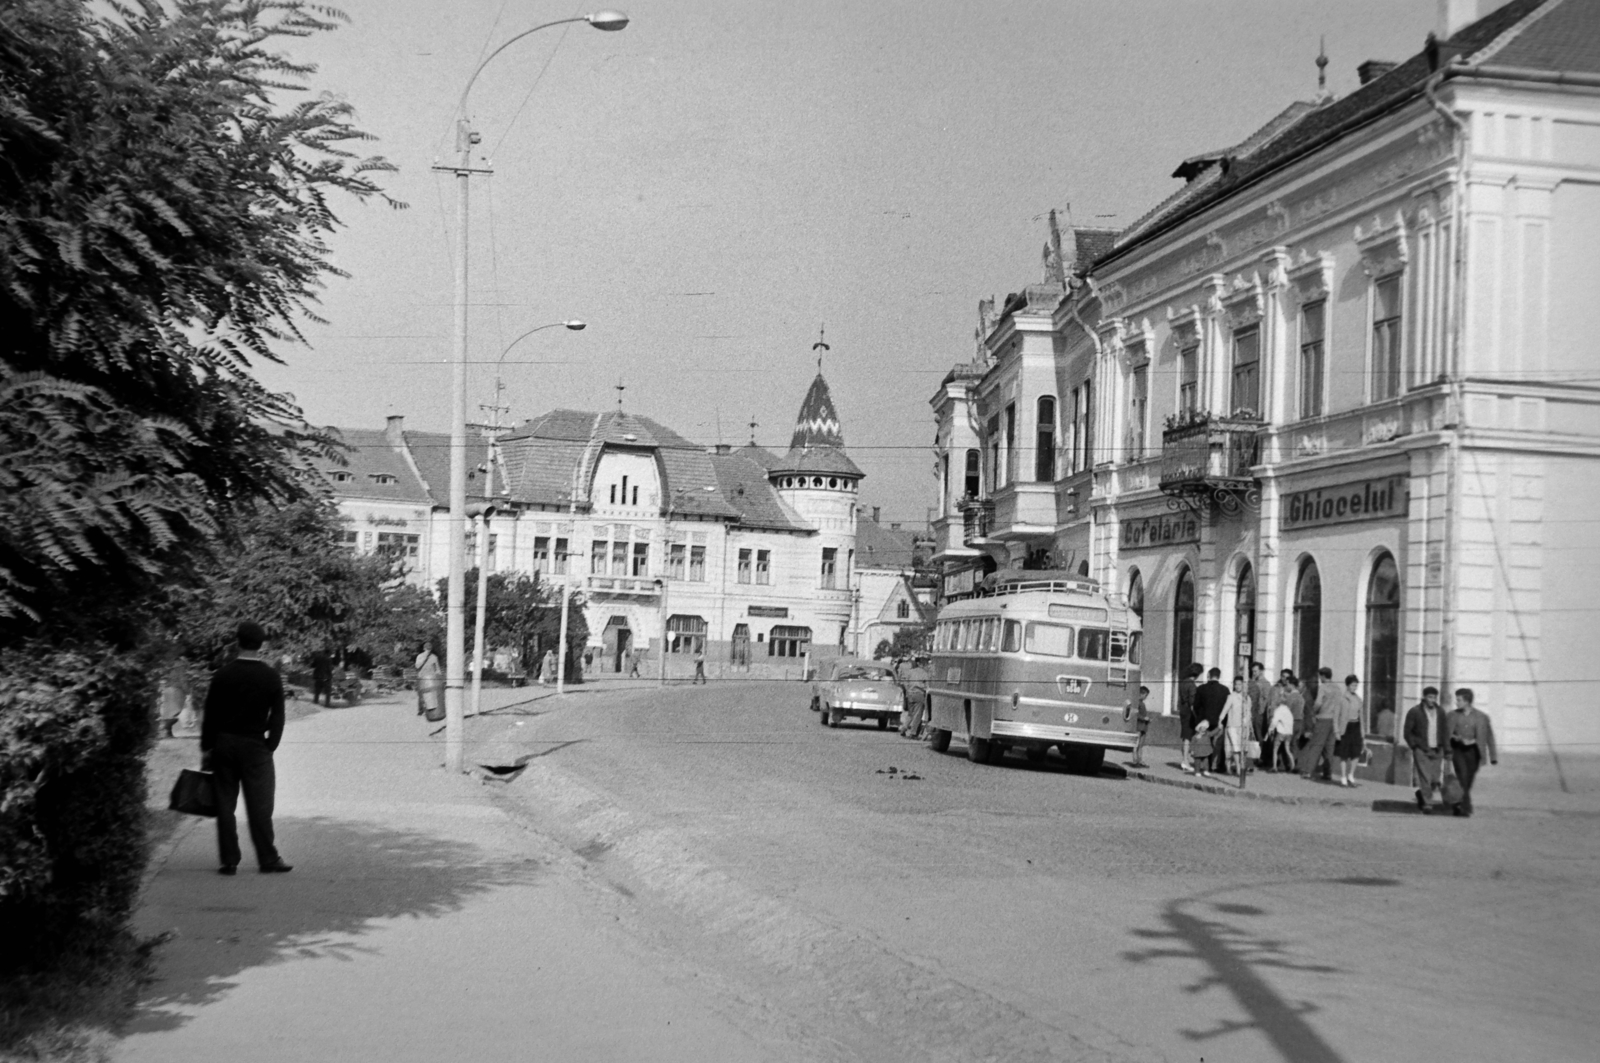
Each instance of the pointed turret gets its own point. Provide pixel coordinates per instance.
(817, 446)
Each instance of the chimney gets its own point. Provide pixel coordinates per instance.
(394, 430)
(1453, 15)
(876, 510)
(1373, 69)
(721, 448)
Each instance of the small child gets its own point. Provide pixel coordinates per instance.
(1142, 717)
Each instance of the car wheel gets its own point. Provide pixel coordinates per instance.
(977, 750)
(1035, 754)
(828, 719)
(883, 723)
(815, 704)
(938, 740)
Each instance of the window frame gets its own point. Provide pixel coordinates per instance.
(1386, 339)
(1312, 391)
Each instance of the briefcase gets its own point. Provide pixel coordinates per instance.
(194, 794)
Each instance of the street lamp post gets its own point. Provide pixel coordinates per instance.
(488, 511)
(455, 618)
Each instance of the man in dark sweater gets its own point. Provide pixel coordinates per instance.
(243, 725)
(1209, 701)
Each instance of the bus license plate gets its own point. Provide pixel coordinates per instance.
(1072, 685)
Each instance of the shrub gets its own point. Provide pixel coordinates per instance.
(75, 724)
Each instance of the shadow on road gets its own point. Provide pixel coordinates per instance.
(348, 875)
(1224, 936)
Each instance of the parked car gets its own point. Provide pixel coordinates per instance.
(866, 690)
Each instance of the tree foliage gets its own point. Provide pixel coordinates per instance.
(523, 613)
(284, 570)
(162, 224)
(163, 216)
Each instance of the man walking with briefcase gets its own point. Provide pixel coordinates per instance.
(243, 725)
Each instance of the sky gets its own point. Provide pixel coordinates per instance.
(713, 185)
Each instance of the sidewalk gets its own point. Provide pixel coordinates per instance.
(419, 923)
(1521, 783)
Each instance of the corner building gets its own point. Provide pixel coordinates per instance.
(1334, 402)
(742, 554)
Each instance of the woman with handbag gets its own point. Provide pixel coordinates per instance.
(1234, 723)
(430, 685)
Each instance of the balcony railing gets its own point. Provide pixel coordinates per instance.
(621, 587)
(977, 518)
(1205, 453)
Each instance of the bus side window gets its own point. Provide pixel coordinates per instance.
(1052, 640)
(1125, 647)
(966, 636)
(1013, 639)
(991, 635)
(1093, 643)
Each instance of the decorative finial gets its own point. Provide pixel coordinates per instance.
(621, 387)
(821, 345)
(752, 430)
(1322, 66)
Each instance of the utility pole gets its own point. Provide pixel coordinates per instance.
(482, 523)
(455, 597)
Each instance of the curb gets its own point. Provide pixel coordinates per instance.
(1229, 791)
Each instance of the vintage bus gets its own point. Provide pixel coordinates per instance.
(1036, 660)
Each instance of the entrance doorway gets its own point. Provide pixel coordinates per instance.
(1183, 625)
(618, 642)
(1244, 621)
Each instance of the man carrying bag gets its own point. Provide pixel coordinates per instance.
(243, 725)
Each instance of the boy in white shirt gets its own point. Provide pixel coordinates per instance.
(1281, 734)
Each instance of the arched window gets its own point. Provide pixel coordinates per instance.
(1136, 595)
(1308, 621)
(1083, 567)
(1183, 623)
(1044, 457)
(1383, 646)
(1244, 622)
(973, 479)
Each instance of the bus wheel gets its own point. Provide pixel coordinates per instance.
(883, 723)
(824, 717)
(1092, 760)
(938, 740)
(1035, 754)
(977, 750)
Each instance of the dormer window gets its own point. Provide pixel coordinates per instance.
(381, 478)
(342, 477)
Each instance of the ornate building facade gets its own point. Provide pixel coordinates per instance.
(1335, 402)
(740, 553)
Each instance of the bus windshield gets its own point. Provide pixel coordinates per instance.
(1052, 640)
(1094, 644)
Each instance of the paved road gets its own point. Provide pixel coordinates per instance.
(833, 910)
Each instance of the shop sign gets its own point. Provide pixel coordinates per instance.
(1164, 530)
(1378, 499)
(959, 582)
(780, 612)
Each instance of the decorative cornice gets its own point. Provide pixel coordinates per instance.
(1383, 247)
(1244, 303)
(1312, 276)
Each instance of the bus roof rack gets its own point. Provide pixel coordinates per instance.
(1017, 581)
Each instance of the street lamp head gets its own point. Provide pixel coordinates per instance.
(607, 20)
(575, 325)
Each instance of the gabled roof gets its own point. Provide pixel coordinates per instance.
(372, 458)
(879, 546)
(743, 483)
(1539, 33)
(431, 452)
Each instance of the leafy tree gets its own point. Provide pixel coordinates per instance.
(162, 223)
(523, 613)
(284, 571)
(911, 639)
(163, 217)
